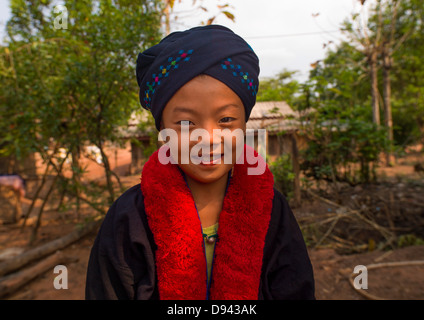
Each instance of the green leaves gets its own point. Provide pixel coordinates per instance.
(343, 143)
(71, 87)
(281, 88)
(282, 170)
(337, 146)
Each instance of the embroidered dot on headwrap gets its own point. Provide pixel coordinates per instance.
(181, 56)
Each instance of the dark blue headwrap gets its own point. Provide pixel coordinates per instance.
(181, 56)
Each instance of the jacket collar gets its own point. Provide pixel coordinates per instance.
(177, 231)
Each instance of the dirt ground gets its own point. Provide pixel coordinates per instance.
(332, 268)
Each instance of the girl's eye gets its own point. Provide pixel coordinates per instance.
(227, 119)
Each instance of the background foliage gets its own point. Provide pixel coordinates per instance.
(66, 88)
(343, 142)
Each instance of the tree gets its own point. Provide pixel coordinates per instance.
(379, 40)
(282, 87)
(370, 46)
(344, 143)
(65, 88)
(392, 39)
(407, 74)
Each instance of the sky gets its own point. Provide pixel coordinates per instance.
(285, 34)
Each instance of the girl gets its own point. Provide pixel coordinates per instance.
(206, 228)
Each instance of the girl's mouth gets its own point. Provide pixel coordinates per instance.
(209, 160)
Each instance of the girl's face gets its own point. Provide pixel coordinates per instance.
(208, 104)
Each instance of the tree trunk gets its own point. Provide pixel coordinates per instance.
(46, 249)
(11, 283)
(76, 178)
(63, 193)
(33, 235)
(372, 60)
(43, 182)
(387, 65)
(34, 231)
(296, 170)
(108, 174)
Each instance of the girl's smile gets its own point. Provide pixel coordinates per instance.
(209, 106)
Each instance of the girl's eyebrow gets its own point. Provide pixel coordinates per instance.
(184, 109)
(227, 106)
(189, 110)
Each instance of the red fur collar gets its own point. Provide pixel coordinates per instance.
(174, 221)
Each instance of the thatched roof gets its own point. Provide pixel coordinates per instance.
(273, 116)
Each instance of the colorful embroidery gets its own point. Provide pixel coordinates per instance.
(236, 68)
(164, 73)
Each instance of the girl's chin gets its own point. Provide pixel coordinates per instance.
(206, 173)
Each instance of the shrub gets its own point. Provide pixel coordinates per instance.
(282, 170)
